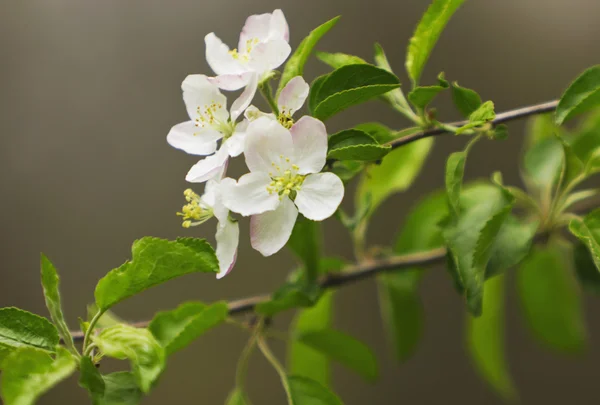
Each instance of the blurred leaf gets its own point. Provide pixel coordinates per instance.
(29, 372)
(295, 64)
(154, 261)
(455, 171)
(107, 319)
(466, 100)
(91, 379)
(305, 391)
(426, 35)
(421, 96)
(381, 133)
(542, 166)
(176, 329)
(550, 300)
(337, 60)
(50, 283)
(588, 232)
(572, 167)
(349, 351)
(586, 270)
(485, 338)
(586, 146)
(347, 169)
(348, 86)
(581, 96)
(500, 132)
(296, 294)
(237, 397)
(120, 389)
(539, 128)
(306, 242)
(146, 355)
(20, 328)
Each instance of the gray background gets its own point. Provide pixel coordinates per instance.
(89, 90)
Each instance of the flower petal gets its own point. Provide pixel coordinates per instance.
(232, 82)
(268, 144)
(193, 140)
(256, 28)
(228, 237)
(235, 144)
(249, 196)
(244, 100)
(218, 57)
(320, 196)
(310, 144)
(278, 27)
(199, 94)
(269, 232)
(252, 113)
(209, 167)
(293, 95)
(267, 56)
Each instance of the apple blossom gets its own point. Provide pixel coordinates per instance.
(209, 122)
(200, 209)
(263, 46)
(284, 179)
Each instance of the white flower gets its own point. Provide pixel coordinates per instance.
(284, 178)
(290, 100)
(200, 209)
(209, 122)
(263, 46)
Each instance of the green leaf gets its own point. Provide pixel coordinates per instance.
(29, 372)
(394, 97)
(306, 242)
(337, 60)
(455, 171)
(420, 97)
(586, 270)
(485, 340)
(348, 86)
(539, 128)
(290, 295)
(347, 169)
(295, 64)
(381, 133)
(588, 232)
(426, 35)
(305, 391)
(581, 96)
(542, 165)
(470, 237)
(146, 355)
(500, 132)
(466, 100)
(550, 300)
(121, 389)
(91, 379)
(397, 172)
(572, 167)
(237, 397)
(586, 146)
(484, 113)
(50, 283)
(313, 95)
(176, 329)
(107, 319)
(354, 144)
(349, 351)
(154, 261)
(20, 328)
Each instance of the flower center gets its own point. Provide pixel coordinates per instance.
(244, 57)
(287, 182)
(285, 118)
(195, 212)
(206, 115)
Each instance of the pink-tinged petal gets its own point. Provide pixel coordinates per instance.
(218, 57)
(208, 168)
(232, 82)
(244, 100)
(320, 196)
(279, 27)
(235, 144)
(256, 28)
(249, 196)
(193, 140)
(310, 144)
(269, 232)
(228, 236)
(204, 101)
(267, 56)
(293, 95)
(268, 146)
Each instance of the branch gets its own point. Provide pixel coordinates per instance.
(506, 116)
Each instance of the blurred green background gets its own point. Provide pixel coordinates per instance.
(89, 90)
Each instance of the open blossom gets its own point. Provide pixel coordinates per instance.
(200, 209)
(284, 179)
(209, 122)
(263, 46)
(290, 100)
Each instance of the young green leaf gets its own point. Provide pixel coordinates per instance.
(146, 355)
(349, 351)
(29, 372)
(466, 100)
(305, 391)
(485, 340)
(354, 144)
(573, 167)
(550, 301)
(455, 171)
(107, 319)
(394, 97)
(295, 64)
(337, 60)
(176, 329)
(539, 128)
(348, 86)
(588, 232)
(347, 169)
(50, 283)
(154, 261)
(500, 132)
(420, 97)
(20, 328)
(313, 95)
(120, 389)
(306, 242)
(426, 35)
(586, 146)
(585, 268)
(91, 379)
(542, 165)
(381, 133)
(484, 113)
(581, 96)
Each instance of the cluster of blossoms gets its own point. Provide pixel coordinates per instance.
(285, 157)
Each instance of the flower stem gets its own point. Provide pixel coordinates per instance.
(242, 365)
(90, 329)
(267, 93)
(264, 348)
